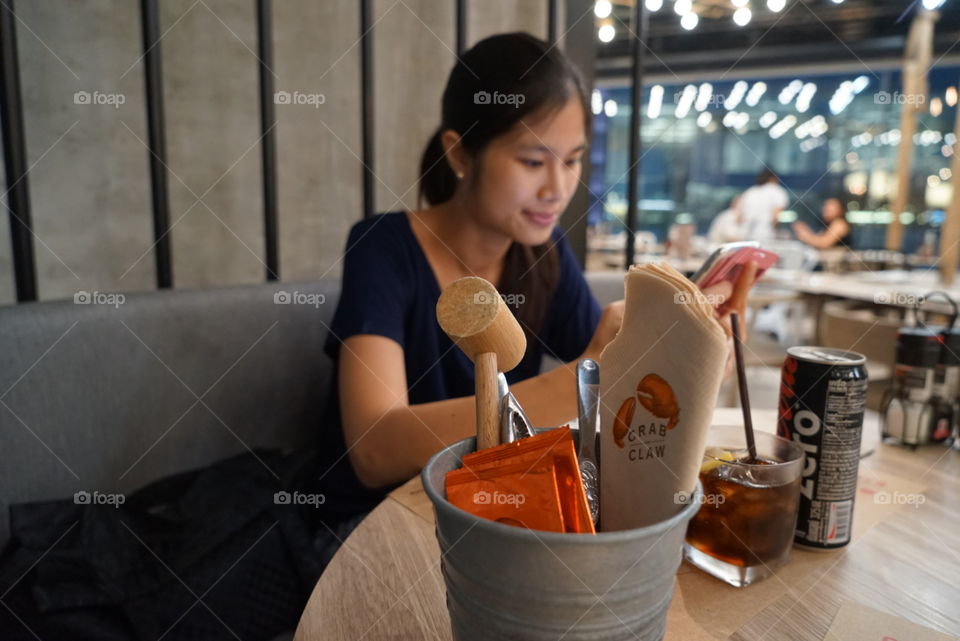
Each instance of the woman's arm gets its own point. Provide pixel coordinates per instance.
(828, 238)
(389, 440)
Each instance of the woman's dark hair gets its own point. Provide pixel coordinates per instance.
(498, 82)
(766, 176)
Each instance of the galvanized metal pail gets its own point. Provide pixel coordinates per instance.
(506, 582)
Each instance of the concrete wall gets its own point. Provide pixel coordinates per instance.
(89, 182)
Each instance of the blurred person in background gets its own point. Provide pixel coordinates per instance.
(728, 226)
(832, 226)
(761, 204)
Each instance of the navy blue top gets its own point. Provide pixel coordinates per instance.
(389, 289)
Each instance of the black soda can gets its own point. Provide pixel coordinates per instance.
(822, 396)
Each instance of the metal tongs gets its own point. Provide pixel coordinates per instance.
(514, 423)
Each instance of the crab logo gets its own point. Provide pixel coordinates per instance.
(656, 395)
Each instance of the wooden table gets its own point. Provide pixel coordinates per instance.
(385, 581)
(896, 288)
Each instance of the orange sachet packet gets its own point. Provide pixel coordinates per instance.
(513, 494)
(524, 462)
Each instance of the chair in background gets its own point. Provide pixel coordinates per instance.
(863, 328)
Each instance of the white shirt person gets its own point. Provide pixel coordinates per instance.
(761, 204)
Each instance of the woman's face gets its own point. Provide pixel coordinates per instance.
(831, 210)
(527, 176)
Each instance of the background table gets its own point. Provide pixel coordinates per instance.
(896, 288)
(385, 581)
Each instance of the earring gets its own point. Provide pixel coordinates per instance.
(459, 175)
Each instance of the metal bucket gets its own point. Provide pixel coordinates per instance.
(506, 582)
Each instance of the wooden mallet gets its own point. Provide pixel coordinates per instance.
(474, 316)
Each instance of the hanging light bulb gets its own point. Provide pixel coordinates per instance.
(689, 21)
(606, 32)
(936, 107)
(776, 5)
(742, 16)
(951, 96)
(602, 8)
(683, 7)
(653, 5)
(739, 3)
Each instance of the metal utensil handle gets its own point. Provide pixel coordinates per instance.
(591, 487)
(587, 407)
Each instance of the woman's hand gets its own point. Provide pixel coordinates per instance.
(728, 298)
(607, 328)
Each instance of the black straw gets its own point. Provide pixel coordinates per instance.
(742, 383)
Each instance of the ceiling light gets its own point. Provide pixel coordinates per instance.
(736, 95)
(596, 102)
(606, 33)
(704, 96)
(742, 16)
(656, 101)
(686, 100)
(756, 92)
(602, 8)
(936, 107)
(951, 96)
(859, 84)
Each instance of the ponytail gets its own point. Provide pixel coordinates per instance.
(437, 180)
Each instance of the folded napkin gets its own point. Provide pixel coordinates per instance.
(659, 380)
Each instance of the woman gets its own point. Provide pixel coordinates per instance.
(834, 226)
(496, 176)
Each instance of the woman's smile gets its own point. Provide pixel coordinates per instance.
(542, 218)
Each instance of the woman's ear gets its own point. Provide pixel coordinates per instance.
(457, 156)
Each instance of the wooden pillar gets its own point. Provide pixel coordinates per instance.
(913, 101)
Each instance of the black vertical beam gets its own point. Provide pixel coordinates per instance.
(153, 79)
(268, 136)
(580, 46)
(461, 26)
(552, 21)
(15, 159)
(636, 101)
(366, 100)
